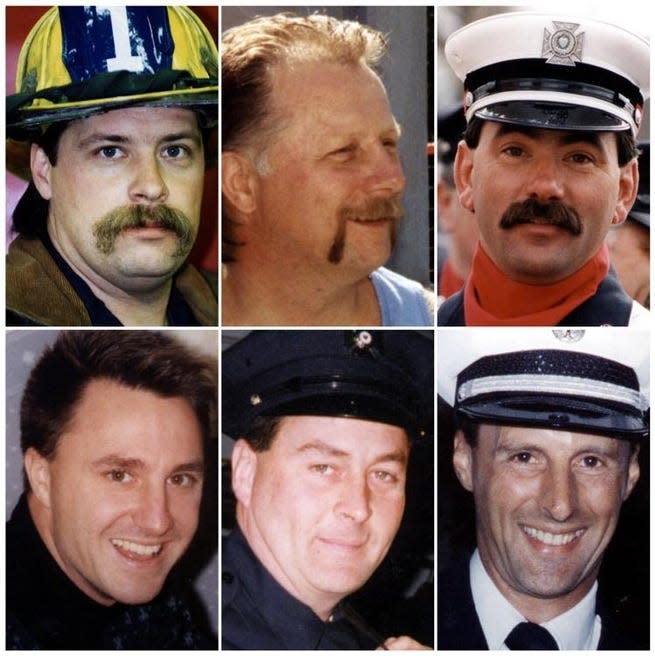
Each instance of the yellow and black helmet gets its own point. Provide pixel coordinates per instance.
(78, 61)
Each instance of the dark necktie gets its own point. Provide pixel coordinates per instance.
(527, 635)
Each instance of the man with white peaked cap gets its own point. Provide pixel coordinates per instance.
(548, 164)
(549, 428)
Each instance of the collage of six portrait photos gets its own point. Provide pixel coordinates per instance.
(435, 232)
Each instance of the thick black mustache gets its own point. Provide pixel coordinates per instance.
(552, 213)
(113, 223)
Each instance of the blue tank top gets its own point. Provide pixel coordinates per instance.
(402, 301)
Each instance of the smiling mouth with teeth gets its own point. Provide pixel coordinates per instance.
(134, 548)
(552, 539)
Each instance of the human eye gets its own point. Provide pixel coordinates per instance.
(345, 152)
(119, 476)
(109, 152)
(591, 462)
(322, 469)
(390, 143)
(580, 158)
(176, 151)
(523, 458)
(386, 477)
(183, 479)
(513, 151)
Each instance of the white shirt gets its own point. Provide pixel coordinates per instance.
(639, 316)
(577, 628)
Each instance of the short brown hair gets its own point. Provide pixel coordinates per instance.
(139, 359)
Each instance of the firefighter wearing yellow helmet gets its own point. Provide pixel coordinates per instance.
(111, 123)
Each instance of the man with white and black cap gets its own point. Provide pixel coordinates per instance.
(324, 421)
(549, 428)
(548, 164)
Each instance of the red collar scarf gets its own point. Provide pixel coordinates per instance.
(492, 299)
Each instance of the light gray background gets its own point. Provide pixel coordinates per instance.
(23, 348)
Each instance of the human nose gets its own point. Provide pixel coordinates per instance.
(148, 185)
(546, 180)
(152, 513)
(559, 493)
(386, 171)
(355, 499)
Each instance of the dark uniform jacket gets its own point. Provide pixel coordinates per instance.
(42, 290)
(258, 613)
(458, 626)
(45, 610)
(610, 305)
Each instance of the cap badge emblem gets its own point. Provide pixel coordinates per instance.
(563, 46)
(363, 339)
(569, 335)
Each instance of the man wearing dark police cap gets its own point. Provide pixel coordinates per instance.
(550, 424)
(548, 164)
(324, 421)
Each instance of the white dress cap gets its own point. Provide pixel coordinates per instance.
(548, 71)
(594, 380)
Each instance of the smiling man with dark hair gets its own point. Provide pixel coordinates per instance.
(551, 423)
(324, 422)
(114, 460)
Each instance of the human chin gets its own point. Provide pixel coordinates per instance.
(146, 260)
(135, 577)
(344, 567)
(549, 565)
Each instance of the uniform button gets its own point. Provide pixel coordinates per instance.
(228, 577)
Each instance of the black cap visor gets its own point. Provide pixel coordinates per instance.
(580, 415)
(552, 116)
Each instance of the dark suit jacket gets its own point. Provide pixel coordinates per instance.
(458, 625)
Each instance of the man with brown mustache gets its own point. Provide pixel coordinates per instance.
(311, 178)
(548, 164)
(114, 141)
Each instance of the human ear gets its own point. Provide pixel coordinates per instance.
(463, 175)
(41, 167)
(238, 182)
(628, 188)
(244, 466)
(463, 461)
(633, 472)
(37, 469)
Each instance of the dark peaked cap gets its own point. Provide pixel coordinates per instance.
(383, 376)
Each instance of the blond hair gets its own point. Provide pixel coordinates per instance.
(249, 53)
